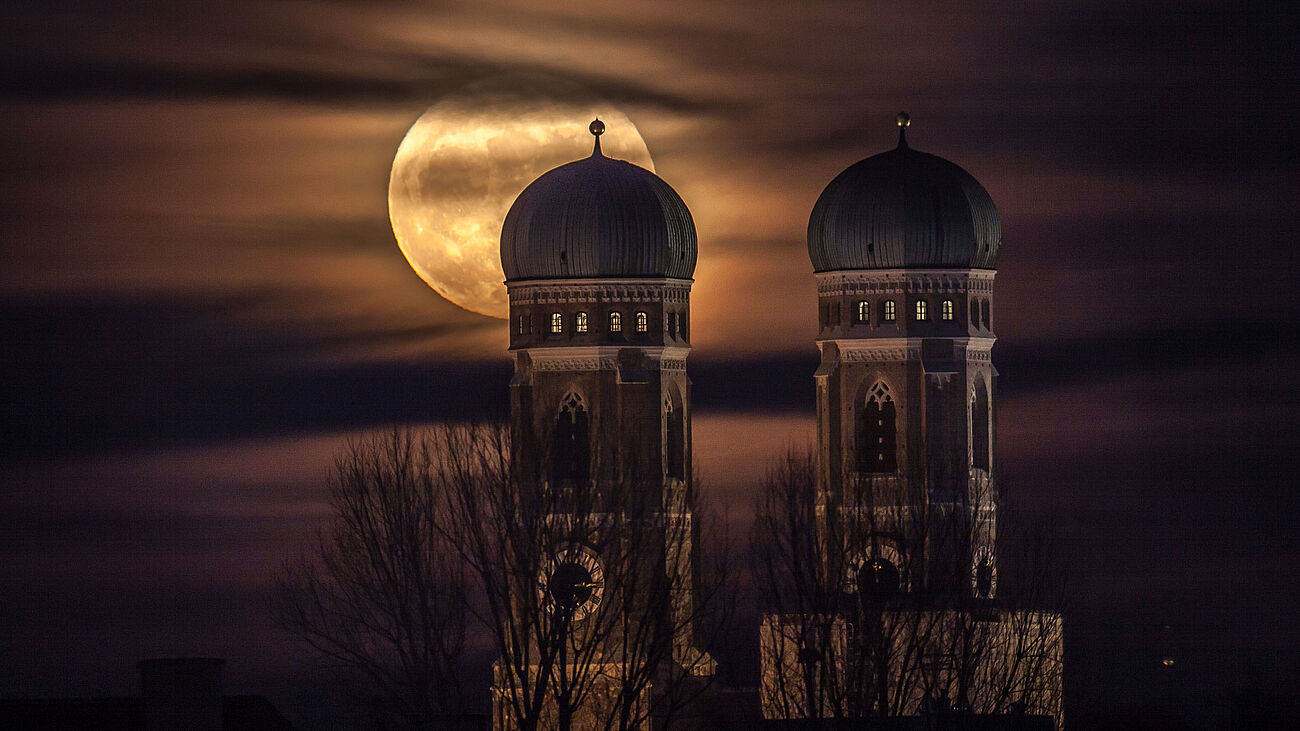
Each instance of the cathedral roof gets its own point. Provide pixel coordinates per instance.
(598, 218)
(904, 208)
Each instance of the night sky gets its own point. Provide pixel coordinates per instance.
(201, 297)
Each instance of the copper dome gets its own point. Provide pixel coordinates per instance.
(598, 218)
(904, 209)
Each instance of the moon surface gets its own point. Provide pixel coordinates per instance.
(466, 159)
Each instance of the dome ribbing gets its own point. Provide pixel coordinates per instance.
(904, 209)
(598, 218)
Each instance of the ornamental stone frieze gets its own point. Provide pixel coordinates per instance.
(848, 283)
(562, 292)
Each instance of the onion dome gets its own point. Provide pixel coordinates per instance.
(904, 208)
(598, 218)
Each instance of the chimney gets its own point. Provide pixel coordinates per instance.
(181, 694)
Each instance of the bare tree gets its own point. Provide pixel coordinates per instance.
(588, 592)
(886, 601)
(385, 596)
(586, 589)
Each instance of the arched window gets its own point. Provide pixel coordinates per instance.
(557, 322)
(945, 311)
(979, 427)
(522, 329)
(675, 439)
(642, 322)
(672, 324)
(862, 313)
(616, 322)
(877, 451)
(570, 441)
(921, 313)
(985, 315)
(984, 574)
(580, 322)
(984, 580)
(974, 313)
(889, 314)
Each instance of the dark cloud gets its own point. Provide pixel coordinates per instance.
(104, 373)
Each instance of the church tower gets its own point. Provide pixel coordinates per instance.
(598, 256)
(903, 245)
(894, 607)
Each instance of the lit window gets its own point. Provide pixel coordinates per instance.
(890, 315)
(557, 322)
(946, 311)
(642, 322)
(863, 313)
(920, 311)
(521, 325)
(580, 322)
(616, 322)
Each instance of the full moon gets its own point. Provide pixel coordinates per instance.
(466, 159)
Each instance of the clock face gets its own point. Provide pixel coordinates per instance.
(572, 581)
(877, 579)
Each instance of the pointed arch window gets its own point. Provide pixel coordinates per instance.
(945, 311)
(580, 322)
(675, 439)
(642, 322)
(985, 316)
(557, 322)
(571, 441)
(921, 313)
(616, 322)
(979, 427)
(876, 432)
(862, 312)
(889, 314)
(974, 313)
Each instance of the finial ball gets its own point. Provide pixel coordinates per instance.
(597, 127)
(904, 119)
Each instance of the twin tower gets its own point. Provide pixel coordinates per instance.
(598, 256)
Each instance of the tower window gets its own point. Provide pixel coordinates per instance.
(877, 451)
(675, 439)
(616, 322)
(642, 322)
(889, 313)
(984, 313)
(522, 325)
(672, 324)
(945, 311)
(921, 314)
(580, 322)
(974, 313)
(557, 322)
(979, 427)
(984, 579)
(862, 312)
(570, 441)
